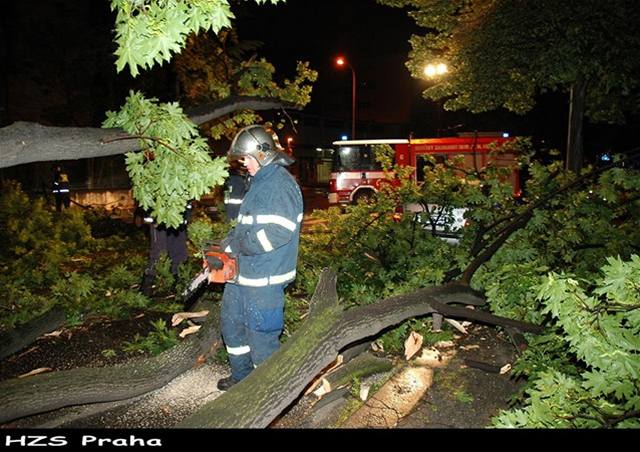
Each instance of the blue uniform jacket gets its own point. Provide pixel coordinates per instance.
(266, 237)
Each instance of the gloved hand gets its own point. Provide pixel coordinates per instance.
(224, 243)
(214, 262)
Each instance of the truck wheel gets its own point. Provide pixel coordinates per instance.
(363, 196)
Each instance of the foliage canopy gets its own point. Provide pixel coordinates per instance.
(502, 53)
(150, 32)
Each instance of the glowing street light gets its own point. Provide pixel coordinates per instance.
(432, 70)
(342, 62)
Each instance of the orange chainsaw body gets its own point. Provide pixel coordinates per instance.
(229, 269)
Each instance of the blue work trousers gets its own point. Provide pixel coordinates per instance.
(251, 321)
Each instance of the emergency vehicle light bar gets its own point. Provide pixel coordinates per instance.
(380, 141)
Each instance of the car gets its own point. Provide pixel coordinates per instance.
(446, 222)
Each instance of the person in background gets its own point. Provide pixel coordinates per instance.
(265, 243)
(60, 188)
(235, 189)
(172, 241)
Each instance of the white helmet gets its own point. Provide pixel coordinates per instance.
(260, 144)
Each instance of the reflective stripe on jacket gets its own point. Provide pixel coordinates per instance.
(267, 235)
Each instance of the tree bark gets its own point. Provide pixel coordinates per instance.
(27, 142)
(574, 159)
(16, 339)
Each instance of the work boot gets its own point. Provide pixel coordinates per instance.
(146, 288)
(225, 383)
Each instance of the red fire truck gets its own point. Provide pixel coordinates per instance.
(356, 174)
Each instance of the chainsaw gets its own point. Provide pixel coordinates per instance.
(217, 267)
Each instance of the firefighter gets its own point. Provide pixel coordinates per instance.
(265, 242)
(60, 188)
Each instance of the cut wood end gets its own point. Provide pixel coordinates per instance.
(434, 358)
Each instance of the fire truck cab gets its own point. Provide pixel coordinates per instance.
(355, 172)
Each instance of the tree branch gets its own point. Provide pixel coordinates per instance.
(27, 142)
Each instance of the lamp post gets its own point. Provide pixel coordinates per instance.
(341, 62)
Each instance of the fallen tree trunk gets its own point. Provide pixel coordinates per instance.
(18, 338)
(258, 399)
(46, 392)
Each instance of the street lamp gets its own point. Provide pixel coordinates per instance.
(432, 70)
(341, 62)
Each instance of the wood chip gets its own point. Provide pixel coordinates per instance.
(187, 331)
(32, 349)
(37, 371)
(324, 372)
(412, 345)
(504, 369)
(457, 325)
(470, 347)
(444, 344)
(53, 333)
(364, 392)
(334, 365)
(377, 346)
(180, 316)
(324, 388)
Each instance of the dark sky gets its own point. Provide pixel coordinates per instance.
(373, 37)
(58, 52)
